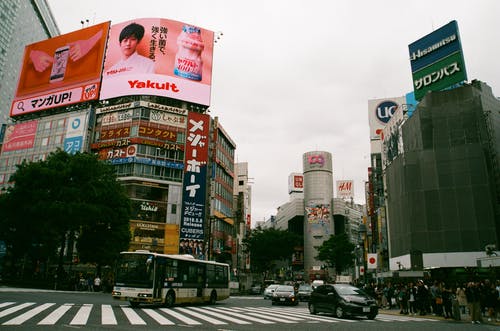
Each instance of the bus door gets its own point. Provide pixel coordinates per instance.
(159, 277)
(200, 279)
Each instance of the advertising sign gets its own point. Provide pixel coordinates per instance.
(295, 183)
(345, 189)
(154, 56)
(195, 177)
(380, 112)
(20, 136)
(437, 60)
(75, 133)
(61, 71)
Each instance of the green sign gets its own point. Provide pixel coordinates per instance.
(440, 75)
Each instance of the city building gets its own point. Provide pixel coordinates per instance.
(442, 179)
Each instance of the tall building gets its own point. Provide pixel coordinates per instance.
(21, 22)
(318, 203)
(443, 187)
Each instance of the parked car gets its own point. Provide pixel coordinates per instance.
(342, 300)
(304, 292)
(285, 294)
(256, 289)
(268, 291)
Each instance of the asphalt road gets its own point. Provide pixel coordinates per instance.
(26, 309)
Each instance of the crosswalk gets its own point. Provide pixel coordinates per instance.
(32, 313)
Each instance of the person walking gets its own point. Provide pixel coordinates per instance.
(473, 295)
(462, 299)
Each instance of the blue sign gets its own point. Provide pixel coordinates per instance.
(385, 110)
(435, 46)
(73, 144)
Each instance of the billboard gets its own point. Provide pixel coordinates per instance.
(154, 56)
(380, 112)
(194, 193)
(295, 183)
(20, 136)
(61, 71)
(345, 189)
(75, 133)
(437, 60)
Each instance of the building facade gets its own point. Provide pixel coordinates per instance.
(442, 189)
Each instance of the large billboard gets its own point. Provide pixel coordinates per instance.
(437, 60)
(20, 136)
(195, 178)
(380, 112)
(61, 71)
(154, 56)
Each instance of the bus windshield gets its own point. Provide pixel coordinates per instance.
(135, 270)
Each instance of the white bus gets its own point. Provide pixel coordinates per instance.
(152, 278)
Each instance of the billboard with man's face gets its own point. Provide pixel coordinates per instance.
(153, 56)
(61, 71)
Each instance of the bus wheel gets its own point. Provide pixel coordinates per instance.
(213, 298)
(169, 299)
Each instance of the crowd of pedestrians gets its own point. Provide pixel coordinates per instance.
(479, 300)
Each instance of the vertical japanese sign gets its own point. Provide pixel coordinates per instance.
(75, 134)
(195, 177)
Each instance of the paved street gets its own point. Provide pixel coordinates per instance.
(28, 310)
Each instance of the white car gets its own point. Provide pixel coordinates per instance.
(268, 292)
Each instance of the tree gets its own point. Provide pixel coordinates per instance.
(265, 246)
(66, 195)
(337, 252)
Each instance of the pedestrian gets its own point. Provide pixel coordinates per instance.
(403, 299)
(97, 283)
(412, 306)
(462, 299)
(473, 294)
(491, 301)
(447, 297)
(422, 298)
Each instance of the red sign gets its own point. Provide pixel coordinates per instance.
(20, 136)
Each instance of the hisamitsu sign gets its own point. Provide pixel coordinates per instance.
(437, 60)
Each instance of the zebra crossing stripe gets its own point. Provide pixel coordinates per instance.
(272, 312)
(200, 316)
(184, 319)
(29, 314)
(228, 311)
(157, 317)
(132, 316)
(305, 314)
(11, 310)
(219, 315)
(5, 304)
(82, 315)
(107, 315)
(53, 317)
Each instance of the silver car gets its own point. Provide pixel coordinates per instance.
(268, 292)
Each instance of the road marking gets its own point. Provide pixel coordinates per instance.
(200, 316)
(107, 315)
(206, 310)
(157, 317)
(5, 304)
(29, 314)
(228, 311)
(82, 315)
(53, 317)
(11, 310)
(180, 317)
(132, 316)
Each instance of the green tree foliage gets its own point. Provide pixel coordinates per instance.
(268, 245)
(62, 197)
(337, 252)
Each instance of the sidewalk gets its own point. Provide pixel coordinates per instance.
(465, 318)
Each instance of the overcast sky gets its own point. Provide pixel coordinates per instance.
(295, 76)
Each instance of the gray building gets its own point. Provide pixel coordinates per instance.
(318, 197)
(21, 23)
(443, 189)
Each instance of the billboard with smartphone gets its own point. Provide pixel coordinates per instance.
(61, 71)
(154, 56)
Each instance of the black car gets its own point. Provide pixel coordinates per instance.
(342, 300)
(285, 295)
(304, 292)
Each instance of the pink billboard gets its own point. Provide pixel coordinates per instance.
(61, 71)
(154, 56)
(20, 136)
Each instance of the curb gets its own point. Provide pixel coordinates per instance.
(464, 319)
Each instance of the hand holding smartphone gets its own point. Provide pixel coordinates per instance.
(59, 65)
